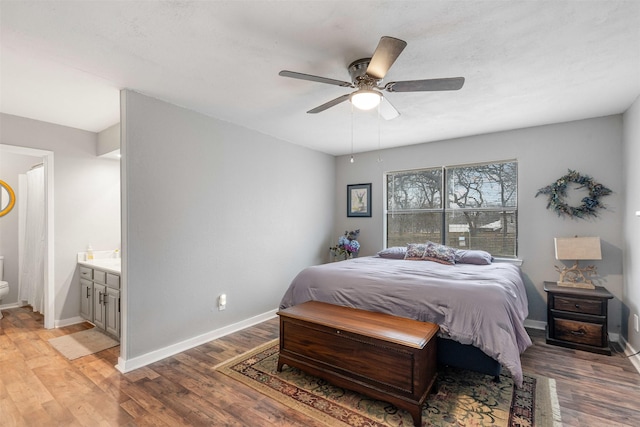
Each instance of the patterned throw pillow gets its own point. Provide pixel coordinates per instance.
(415, 251)
(439, 253)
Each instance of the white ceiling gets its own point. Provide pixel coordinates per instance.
(526, 63)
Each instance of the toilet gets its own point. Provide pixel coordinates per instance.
(4, 286)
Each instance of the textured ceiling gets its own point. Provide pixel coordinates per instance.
(526, 63)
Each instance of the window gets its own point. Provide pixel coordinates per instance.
(467, 207)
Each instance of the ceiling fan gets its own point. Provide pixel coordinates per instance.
(366, 76)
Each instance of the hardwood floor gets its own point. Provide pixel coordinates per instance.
(593, 389)
(39, 387)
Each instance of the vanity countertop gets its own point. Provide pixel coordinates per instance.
(100, 262)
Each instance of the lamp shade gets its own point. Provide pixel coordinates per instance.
(365, 99)
(577, 248)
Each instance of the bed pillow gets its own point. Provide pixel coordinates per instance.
(415, 251)
(439, 253)
(470, 256)
(396, 252)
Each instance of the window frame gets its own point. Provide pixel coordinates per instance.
(445, 210)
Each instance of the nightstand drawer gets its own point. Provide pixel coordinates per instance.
(579, 332)
(578, 305)
(577, 318)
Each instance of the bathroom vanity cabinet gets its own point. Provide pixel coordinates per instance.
(100, 299)
(86, 299)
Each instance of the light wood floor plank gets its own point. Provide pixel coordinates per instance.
(38, 386)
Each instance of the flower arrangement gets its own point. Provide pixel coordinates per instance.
(558, 191)
(347, 245)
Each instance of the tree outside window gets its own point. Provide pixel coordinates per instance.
(478, 209)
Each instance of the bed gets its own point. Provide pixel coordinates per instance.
(480, 308)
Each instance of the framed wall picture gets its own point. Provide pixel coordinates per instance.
(359, 200)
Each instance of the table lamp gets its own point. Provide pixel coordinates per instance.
(576, 249)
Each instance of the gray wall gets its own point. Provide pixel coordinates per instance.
(86, 199)
(12, 165)
(592, 147)
(258, 210)
(108, 140)
(631, 290)
(212, 208)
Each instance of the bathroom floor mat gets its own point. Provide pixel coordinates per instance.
(82, 343)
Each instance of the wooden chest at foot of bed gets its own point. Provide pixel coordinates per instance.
(385, 357)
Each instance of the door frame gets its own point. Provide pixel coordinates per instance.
(49, 259)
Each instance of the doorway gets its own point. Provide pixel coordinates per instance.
(49, 248)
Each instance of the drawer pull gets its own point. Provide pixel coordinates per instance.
(578, 306)
(337, 332)
(579, 332)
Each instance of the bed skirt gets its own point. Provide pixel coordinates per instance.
(465, 356)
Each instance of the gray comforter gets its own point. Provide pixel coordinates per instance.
(482, 305)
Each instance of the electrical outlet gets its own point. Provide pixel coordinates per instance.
(636, 323)
(222, 302)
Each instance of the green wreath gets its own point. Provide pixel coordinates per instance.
(558, 191)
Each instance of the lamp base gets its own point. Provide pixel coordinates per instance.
(576, 277)
(582, 285)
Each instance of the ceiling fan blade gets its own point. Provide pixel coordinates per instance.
(387, 110)
(302, 76)
(452, 83)
(329, 104)
(388, 50)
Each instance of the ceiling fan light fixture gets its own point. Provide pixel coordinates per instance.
(367, 75)
(365, 99)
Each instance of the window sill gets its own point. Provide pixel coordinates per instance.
(515, 261)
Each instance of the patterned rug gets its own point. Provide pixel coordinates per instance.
(464, 398)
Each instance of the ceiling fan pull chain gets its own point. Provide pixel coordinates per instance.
(379, 144)
(351, 160)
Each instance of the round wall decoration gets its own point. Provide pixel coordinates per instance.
(558, 191)
(7, 198)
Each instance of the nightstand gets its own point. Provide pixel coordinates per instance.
(577, 318)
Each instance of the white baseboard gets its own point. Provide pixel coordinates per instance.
(7, 306)
(11, 305)
(57, 323)
(67, 322)
(629, 350)
(129, 365)
(535, 324)
(615, 337)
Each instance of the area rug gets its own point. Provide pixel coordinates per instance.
(464, 398)
(82, 343)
